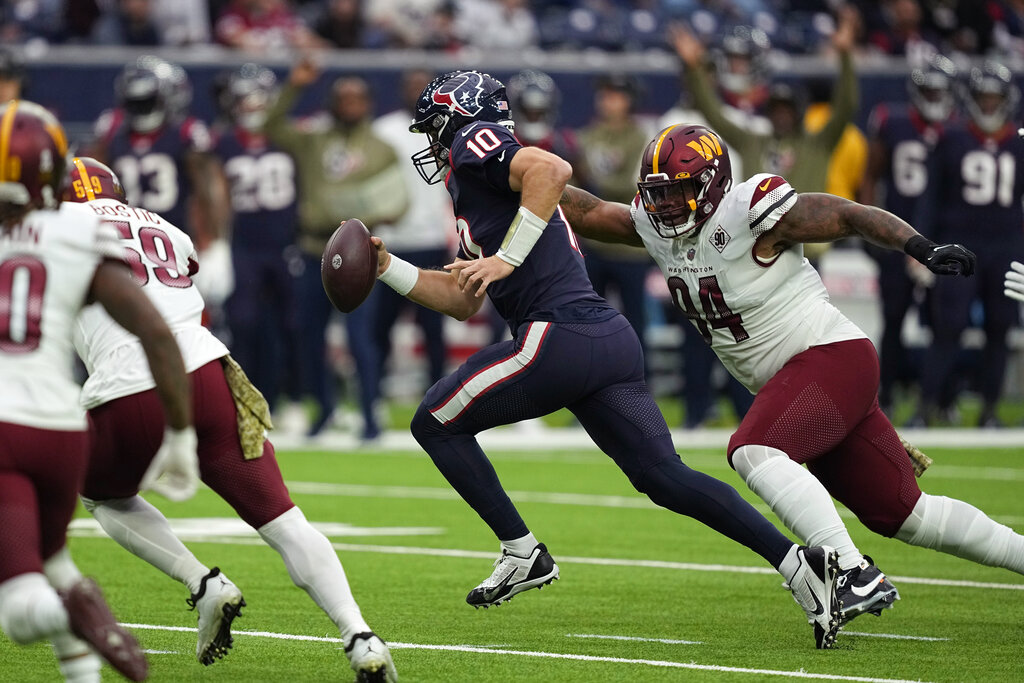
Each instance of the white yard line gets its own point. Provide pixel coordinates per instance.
(667, 641)
(893, 636)
(552, 655)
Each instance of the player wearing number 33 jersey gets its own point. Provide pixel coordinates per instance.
(734, 264)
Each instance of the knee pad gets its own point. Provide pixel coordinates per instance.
(747, 458)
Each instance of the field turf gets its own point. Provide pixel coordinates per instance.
(644, 594)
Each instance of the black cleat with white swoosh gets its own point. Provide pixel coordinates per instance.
(864, 589)
(513, 574)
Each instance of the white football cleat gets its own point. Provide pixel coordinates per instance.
(218, 602)
(813, 585)
(370, 659)
(513, 574)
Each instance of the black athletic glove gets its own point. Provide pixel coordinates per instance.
(941, 259)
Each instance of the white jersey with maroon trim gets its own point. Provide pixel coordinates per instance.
(755, 314)
(47, 263)
(161, 257)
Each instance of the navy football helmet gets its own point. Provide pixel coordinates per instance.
(448, 103)
(741, 60)
(931, 89)
(534, 98)
(684, 175)
(992, 96)
(244, 95)
(144, 96)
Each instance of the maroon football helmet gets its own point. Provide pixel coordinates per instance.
(33, 148)
(88, 179)
(684, 174)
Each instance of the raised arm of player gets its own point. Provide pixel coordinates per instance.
(438, 290)
(819, 217)
(539, 177)
(597, 219)
(128, 305)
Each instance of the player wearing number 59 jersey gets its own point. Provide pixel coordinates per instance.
(570, 349)
(733, 260)
(235, 458)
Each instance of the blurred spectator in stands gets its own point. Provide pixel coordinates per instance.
(345, 170)
(342, 24)
(263, 25)
(262, 183)
(128, 22)
(182, 22)
(902, 139)
(428, 24)
(789, 150)
(740, 74)
(497, 25)
(610, 148)
(31, 20)
(421, 236)
(974, 193)
(12, 75)
(903, 32)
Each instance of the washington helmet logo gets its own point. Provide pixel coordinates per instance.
(461, 93)
(707, 146)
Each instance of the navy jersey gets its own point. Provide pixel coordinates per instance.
(261, 178)
(977, 187)
(151, 166)
(909, 141)
(552, 284)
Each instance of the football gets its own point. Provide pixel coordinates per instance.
(349, 265)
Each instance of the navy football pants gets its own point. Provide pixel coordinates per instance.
(596, 371)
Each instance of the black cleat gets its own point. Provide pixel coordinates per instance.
(513, 574)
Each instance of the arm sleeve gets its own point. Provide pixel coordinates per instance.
(844, 102)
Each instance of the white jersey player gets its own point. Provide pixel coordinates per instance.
(733, 261)
(235, 458)
(53, 260)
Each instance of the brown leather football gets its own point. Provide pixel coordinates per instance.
(349, 265)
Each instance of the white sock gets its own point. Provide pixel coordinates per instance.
(797, 497)
(143, 531)
(61, 571)
(78, 663)
(315, 567)
(520, 547)
(30, 609)
(958, 528)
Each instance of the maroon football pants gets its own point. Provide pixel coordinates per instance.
(822, 409)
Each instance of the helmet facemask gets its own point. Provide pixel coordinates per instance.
(432, 162)
(676, 206)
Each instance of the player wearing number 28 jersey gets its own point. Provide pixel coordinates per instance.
(235, 458)
(734, 263)
(570, 349)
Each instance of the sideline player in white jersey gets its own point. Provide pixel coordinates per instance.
(235, 458)
(53, 261)
(734, 263)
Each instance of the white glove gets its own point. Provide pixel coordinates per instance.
(1014, 284)
(216, 276)
(174, 472)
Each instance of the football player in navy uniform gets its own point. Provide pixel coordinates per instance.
(570, 349)
(261, 183)
(162, 157)
(901, 140)
(974, 195)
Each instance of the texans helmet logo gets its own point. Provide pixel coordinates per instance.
(461, 93)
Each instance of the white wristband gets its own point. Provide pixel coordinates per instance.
(524, 232)
(400, 275)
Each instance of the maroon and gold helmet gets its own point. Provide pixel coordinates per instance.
(684, 175)
(33, 150)
(89, 179)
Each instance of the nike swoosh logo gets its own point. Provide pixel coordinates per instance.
(493, 592)
(501, 157)
(765, 186)
(466, 130)
(818, 608)
(866, 590)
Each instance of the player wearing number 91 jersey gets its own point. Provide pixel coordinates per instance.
(733, 261)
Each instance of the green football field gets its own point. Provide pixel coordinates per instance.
(644, 594)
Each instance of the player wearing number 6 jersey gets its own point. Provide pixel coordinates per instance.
(734, 263)
(570, 350)
(235, 458)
